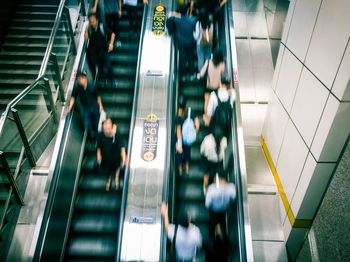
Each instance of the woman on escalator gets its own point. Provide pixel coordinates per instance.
(183, 147)
(185, 236)
(213, 152)
(211, 74)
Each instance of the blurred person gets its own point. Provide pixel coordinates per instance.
(183, 149)
(111, 153)
(219, 197)
(133, 16)
(186, 237)
(99, 48)
(212, 151)
(90, 101)
(220, 105)
(203, 34)
(112, 13)
(211, 74)
(184, 27)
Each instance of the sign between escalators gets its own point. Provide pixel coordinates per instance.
(158, 24)
(150, 138)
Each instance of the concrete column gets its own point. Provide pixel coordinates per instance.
(308, 117)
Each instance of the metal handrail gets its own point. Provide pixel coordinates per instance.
(246, 249)
(132, 126)
(48, 51)
(43, 67)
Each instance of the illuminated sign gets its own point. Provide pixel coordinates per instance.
(159, 15)
(150, 138)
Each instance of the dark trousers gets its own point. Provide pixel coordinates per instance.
(186, 58)
(133, 17)
(91, 116)
(214, 219)
(103, 61)
(112, 22)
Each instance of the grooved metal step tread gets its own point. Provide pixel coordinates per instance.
(84, 246)
(198, 213)
(94, 182)
(96, 223)
(116, 99)
(106, 202)
(191, 190)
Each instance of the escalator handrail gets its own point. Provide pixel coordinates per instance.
(245, 239)
(132, 126)
(57, 157)
(170, 126)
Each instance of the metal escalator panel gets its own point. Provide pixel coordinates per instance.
(94, 228)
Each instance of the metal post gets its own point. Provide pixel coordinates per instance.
(25, 142)
(12, 181)
(57, 76)
(70, 29)
(51, 103)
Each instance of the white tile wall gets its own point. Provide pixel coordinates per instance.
(309, 102)
(302, 25)
(278, 66)
(291, 160)
(313, 182)
(332, 132)
(341, 86)
(274, 127)
(329, 39)
(288, 79)
(287, 23)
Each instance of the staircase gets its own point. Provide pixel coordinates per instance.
(25, 45)
(94, 227)
(21, 57)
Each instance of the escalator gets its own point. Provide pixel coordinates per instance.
(190, 198)
(188, 192)
(94, 228)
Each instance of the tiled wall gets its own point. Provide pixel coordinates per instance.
(308, 117)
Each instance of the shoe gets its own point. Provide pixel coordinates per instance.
(193, 77)
(108, 185)
(114, 84)
(118, 44)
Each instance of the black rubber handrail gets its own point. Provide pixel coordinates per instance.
(132, 126)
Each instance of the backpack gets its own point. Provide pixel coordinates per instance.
(207, 37)
(222, 115)
(188, 130)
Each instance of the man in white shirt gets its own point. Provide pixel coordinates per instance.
(219, 197)
(187, 237)
(224, 93)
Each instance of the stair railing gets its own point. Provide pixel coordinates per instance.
(19, 127)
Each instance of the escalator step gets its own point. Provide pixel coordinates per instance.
(97, 247)
(93, 182)
(106, 201)
(198, 212)
(191, 190)
(96, 223)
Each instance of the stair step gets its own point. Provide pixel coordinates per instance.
(96, 223)
(191, 190)
(198, 212)
(99, 202)
(96, 247)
